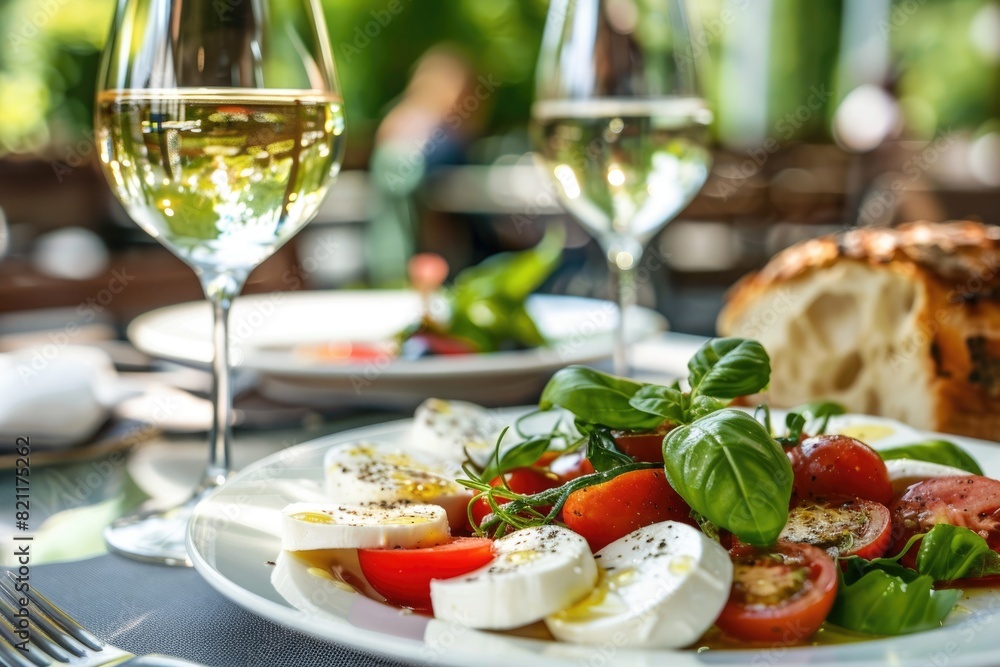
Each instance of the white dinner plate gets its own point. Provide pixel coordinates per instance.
(234, 540)
(267, 329)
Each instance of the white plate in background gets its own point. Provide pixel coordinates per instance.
(265, 330)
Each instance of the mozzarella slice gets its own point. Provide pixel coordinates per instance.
(661, 586)
(904, 473)
(309, 526)
(536, 572)
(367, 473)
(453, 429)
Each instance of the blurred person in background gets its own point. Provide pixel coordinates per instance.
(435, 120)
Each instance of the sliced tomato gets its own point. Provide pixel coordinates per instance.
(644, 446)
(344, 351)
(969, 501)
(527, 481)
(404, 576)
(827, 465)
(605, 512)
(782, 593)
(841, 526)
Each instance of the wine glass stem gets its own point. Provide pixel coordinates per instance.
(220, 289)
(625, 292)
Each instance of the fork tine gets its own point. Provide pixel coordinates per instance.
(63, 620)
(11, 655)
(57, 649)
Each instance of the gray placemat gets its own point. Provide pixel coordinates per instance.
(152, 609)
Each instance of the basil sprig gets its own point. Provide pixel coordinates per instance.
(724, 464)
(950, 552)
(722, 369)
(934, 451)
(730, 470)
(881, 597)
(523, 454)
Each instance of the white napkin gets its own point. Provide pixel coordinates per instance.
(57, 396)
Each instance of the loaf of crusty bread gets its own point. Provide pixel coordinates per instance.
(902, 322)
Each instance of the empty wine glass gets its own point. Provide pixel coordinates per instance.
(220, 128)
(620, 126)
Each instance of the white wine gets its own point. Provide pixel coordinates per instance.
(222, 177)
(624, 167)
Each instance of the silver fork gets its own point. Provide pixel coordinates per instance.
(48, 636)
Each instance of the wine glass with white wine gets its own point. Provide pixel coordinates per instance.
(220, 127)
(620, 126)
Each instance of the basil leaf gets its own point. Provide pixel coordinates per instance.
(597, 398)
(486, 301)
(511, 276)
(820, 409)
(882, 597)
(820, 412)
(520, 455)
(727, 468)
(666, 402)
(585, 428)
(603, 453)
(795, 423)
(702, 406)
(952, 552)
(729, 367)
(934, 451)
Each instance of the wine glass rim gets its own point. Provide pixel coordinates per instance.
(209, 93)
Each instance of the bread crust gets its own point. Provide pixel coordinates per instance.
(955, 336)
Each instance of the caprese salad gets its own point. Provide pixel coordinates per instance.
(656, 514)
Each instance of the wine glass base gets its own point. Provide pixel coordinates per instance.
(154, 536)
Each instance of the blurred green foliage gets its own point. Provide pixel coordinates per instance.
(376, 50)
(945, 55)
(805, 45)
(948, 61)
(48, 65)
